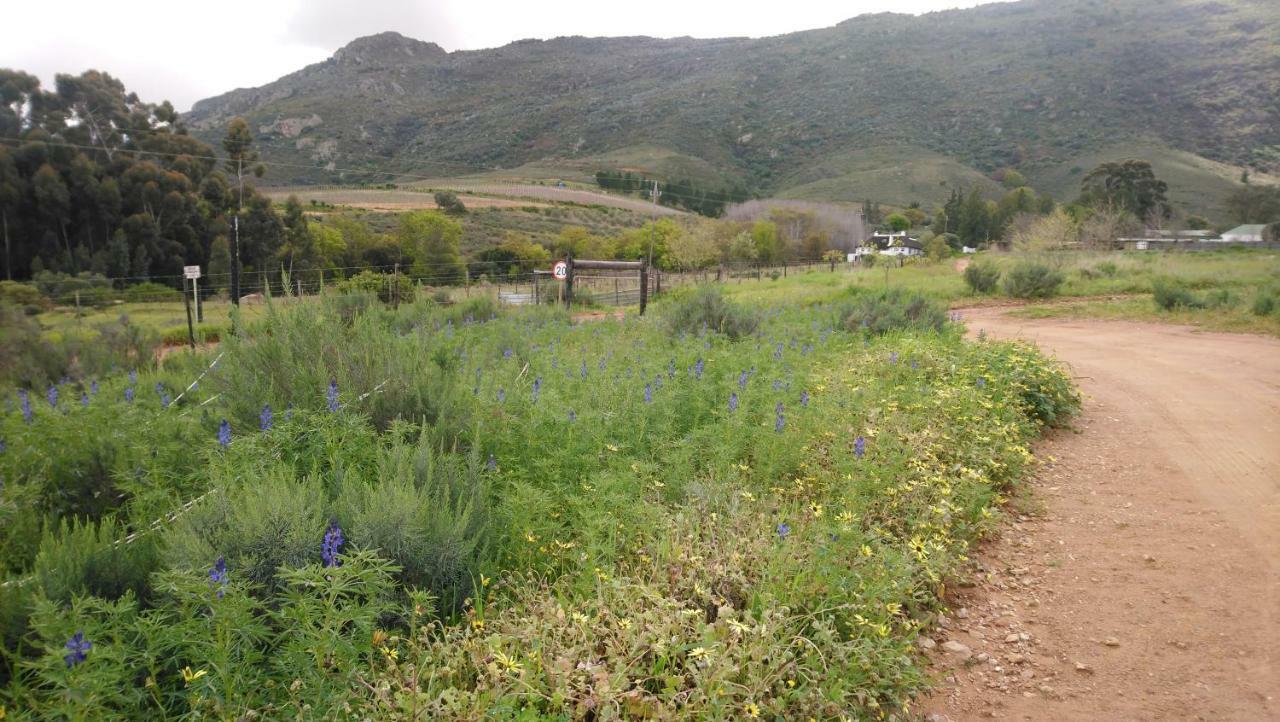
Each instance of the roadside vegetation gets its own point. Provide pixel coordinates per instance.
(457, 512)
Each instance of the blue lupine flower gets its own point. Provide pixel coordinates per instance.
(77, 649)
(128, 395)
(265, 418)
(93, 388)
(733, 402)
(332, 396)
(502, 395)
(24, 400)
(777, 409)
(602, 363)
(164, 400)
(332, 544)
(804, 399)
(492, 463)
(671, 369)
(697, 369)
(133, 377)
(84, 399)
(572, 416)
(218, 576)
(783, 530)
(648, 393)
(777, 384)
(859, 447)
(982, 383)
(288, 412)
(915, 364)
(742, 380)
(224, 433)
(159, 388)
(3, 446)
(779, 422)
(584, 369)
(777, 352)
(52, 396)
(537, 386)
(506, 353)
(893, 357)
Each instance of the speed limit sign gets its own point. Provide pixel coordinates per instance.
(560, 271)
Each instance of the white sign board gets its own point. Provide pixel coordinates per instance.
(560, 271)
(191, 272)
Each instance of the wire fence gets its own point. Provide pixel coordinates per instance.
(513, 284)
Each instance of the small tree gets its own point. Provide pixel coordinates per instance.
(430, 240)
(449, 203)
(898, 222)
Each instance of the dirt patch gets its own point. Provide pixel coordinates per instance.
(1142, 581)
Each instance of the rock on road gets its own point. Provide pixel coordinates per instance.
(1148, 587)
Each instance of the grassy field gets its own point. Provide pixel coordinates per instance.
(1236, 319)
(717, 511)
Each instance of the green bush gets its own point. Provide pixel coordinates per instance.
(387, 287)
(981, 277)
(24, 295)
(1265, 303)
(891, 309)
(1170, 294)
(150, 292)
(708, 309)
(1032, 279)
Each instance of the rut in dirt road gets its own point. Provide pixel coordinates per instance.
(1149, 587)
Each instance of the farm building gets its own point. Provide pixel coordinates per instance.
(891, 244)
(1248, 233)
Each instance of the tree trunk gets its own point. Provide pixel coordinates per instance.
(8, 263)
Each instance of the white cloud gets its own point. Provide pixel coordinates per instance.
(187, 51)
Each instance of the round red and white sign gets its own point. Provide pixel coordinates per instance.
(560, 271)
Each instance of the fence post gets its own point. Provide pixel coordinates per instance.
(186, 301)
(568, 281)
(617, 299)
(644, 286)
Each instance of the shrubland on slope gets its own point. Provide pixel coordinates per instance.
(1037, 85)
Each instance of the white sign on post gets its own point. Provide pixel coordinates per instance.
(191, 272)
(560, 271)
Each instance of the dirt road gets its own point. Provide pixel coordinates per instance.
(1145, 582)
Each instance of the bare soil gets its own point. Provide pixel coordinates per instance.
(1139, 576)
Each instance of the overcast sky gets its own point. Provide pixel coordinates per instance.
(163, 50)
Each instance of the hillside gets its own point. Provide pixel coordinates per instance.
(1039, 85)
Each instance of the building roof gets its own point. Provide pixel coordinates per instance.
(1248, 229)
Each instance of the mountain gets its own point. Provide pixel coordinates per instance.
(889, 107)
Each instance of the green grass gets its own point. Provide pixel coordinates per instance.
(887, 174)
(1141, 308)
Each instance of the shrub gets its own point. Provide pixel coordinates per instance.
(1265, 303)
(151, 292)
(1221, 298)
(709, 309)
(1032, 279)
(889, 309)
(1170, 294)
(981, 277)
(387, 287)
(25, 295)
(83, 558)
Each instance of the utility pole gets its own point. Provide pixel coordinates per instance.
(644, 275)
(235, 252)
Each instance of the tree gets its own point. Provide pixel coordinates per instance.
(1129, 185)
(430, 240)
(11, 193)
(1013, 179)
(916, 217)
(297, 250)
(974, 224)
(897, 222)
(1032, 234)
(449, 203)
(871, 212)
(936, 249)
(1254, 204)
(768, 248)
(219, 264)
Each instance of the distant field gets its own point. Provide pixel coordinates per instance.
(885, 174)
(474, 195)
(388, 200)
